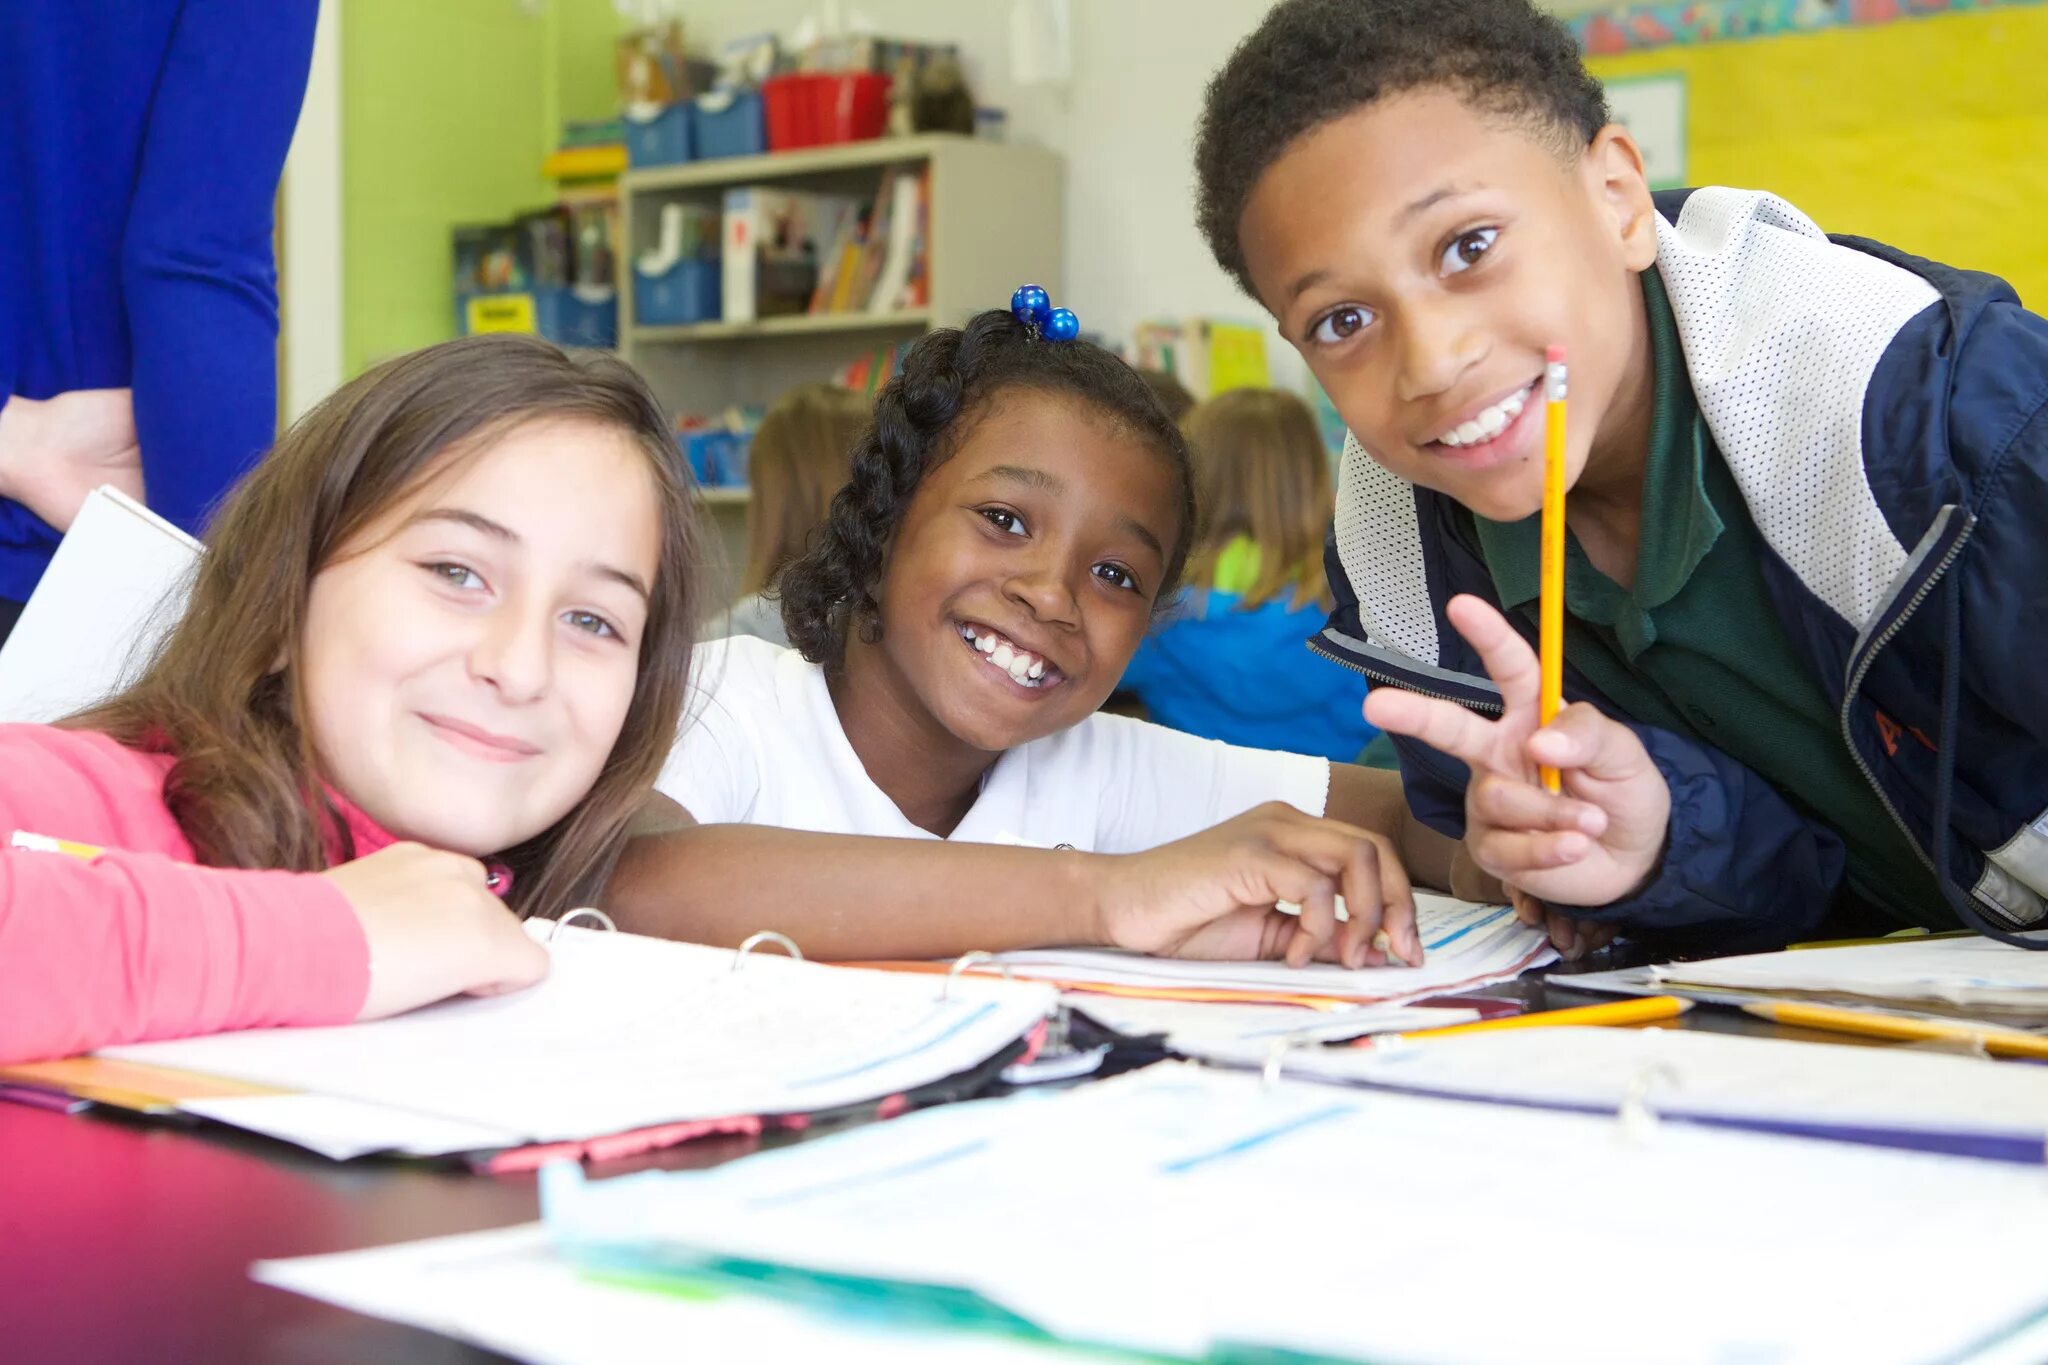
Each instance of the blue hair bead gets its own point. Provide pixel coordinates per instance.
(1031, 305)
(1062, 325)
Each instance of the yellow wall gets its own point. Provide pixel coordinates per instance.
(1930, 134)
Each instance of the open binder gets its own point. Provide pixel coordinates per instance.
(629, 1043)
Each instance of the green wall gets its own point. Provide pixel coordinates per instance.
(448, 107)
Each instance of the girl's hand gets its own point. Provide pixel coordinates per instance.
(434, 929)
(1592, 844)
(1212, 895)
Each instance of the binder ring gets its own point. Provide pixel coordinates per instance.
(753, 941)
(1637, 1119)
(966, 960)
(1276, 1060)
(585, 911)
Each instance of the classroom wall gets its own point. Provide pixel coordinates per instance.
(1927, 133)
(447, 108)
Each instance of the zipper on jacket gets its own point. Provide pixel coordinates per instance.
(1317, 647)
(1856, 684)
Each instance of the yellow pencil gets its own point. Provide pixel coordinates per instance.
(1550, 638)
(2003, 1042)
(44, 843)
(1641, 1011)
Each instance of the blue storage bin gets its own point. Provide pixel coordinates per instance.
(730, 123)
(688, 291)
(662, 140)
(571, 316)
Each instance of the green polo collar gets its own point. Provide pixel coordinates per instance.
(1679, 521)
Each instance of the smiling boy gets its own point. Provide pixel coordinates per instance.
(1804, 577)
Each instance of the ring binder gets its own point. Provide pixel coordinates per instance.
(588, 911)
(966, 960)
(753, 941)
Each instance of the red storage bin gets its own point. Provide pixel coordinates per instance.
(812, 109)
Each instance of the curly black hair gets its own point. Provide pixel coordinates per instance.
(948, 380)
(1314, 61)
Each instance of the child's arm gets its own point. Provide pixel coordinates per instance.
(128, 947)
(1374, 799)
(849, 897)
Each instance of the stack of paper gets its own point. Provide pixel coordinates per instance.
(1186, 1212)
(1974, 975)
(1888, 1096)
(625, 1033)
(1465, 946)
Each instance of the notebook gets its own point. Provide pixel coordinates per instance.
(1465, 946)
(1187, 1211)
(626, 1035)
(1896, 1097)
(116, 584)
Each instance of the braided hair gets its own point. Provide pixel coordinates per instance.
(948, 380)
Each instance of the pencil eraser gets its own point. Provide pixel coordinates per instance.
(1553, 355)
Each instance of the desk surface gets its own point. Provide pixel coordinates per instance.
(127, 1240)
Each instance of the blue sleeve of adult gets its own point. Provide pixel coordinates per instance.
(198, 271)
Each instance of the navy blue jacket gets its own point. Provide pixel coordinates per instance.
(141, 143)
(1887, 420)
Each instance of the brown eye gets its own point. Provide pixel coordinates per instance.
(1464, 252)
(1339, 324)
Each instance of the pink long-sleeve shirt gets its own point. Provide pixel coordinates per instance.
(141, 942)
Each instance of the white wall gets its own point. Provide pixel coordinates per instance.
(309, 286)
(1124, 124)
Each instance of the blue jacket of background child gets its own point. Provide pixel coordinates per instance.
(1887, 420)
(1216, 670)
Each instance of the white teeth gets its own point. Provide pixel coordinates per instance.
(1001, 656)
(985, 643)
(1488, 424)
(1024, 667)
(1037, 668)
(1020, 668)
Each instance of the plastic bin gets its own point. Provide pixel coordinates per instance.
(730, 123)
(688, 291)
(814, 109)
(577, 316)
(662, 140)
(718, 457)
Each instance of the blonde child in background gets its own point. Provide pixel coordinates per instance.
(1225, 664)
(798, 460)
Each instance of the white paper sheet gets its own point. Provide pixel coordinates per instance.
(1962, 972)
(1177, 1209)
(509, 1291)
(629, 1032)
(1464, 944)
(1686, 1072)
(115, 585)
(1193, 1027)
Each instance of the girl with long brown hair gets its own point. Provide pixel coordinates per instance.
(432, 661)
(1262, 480)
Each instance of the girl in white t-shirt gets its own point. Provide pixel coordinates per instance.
(1018, 509)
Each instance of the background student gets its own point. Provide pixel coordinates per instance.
(1221, 663)
(797, 461)
(434, 656)
(1806, 476)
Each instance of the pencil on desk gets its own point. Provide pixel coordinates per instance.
(1643, 1011)
(1550, 636)
(1829, 1019)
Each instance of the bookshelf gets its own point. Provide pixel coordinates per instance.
(996, 220)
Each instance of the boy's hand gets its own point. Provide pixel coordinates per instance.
(1212, 895)
(434, 929)
(1592, 844)
(1573, 938)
